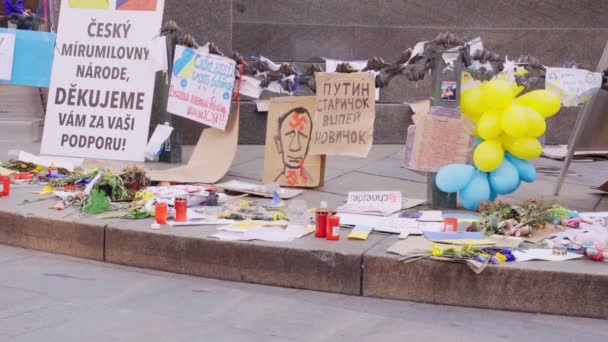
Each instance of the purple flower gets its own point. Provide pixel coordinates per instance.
(494, 260)
(508, 254)
(481, 258)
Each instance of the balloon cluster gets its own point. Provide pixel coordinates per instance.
(508, 127)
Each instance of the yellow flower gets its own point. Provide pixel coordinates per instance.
(45, 190)
(501, 257)
(458, 249)
(437, 251)
(468, 248)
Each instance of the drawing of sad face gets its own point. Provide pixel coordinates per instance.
(294, 134)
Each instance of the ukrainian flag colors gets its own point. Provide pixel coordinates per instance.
(89, 4)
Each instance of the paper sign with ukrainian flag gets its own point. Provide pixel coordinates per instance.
(89, 4)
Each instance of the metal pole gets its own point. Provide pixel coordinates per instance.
(443, 72)
(172, 151)
(580, 126)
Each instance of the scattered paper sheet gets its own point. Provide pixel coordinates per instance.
(357, 219)
(6, 172)
(410, 245)
(506, 241)
(259, 189)
(360, 232)
(157, 140)
(250, 86)
(434, 236)
(273, 234)
(431, 216)
(262, 105)
(199, 222)
(60, 162)
(158, 54)
(543, 254)
(381, 203)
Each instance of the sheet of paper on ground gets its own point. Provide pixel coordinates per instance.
(381, 203)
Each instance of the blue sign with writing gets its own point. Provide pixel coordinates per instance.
(33, 58)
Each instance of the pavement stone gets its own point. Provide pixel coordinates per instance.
(603, 204)
(35, 226)
(574, 196)
(308, 262)
(567, 288)
(392, 168)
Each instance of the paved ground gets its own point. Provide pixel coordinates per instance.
(46, 297)
(382, 170)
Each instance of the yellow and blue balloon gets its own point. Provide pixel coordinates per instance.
(509, 127)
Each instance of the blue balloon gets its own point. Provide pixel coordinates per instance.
(454, 177)
(476, 192)
(505, 179)
(525, 168)
(478, 141)
(493, 195)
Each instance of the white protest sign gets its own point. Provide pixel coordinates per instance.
(7, 51)
(201, 87)
(380, 202)
(102, 83)
(572, 86)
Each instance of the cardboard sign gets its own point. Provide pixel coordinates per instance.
(344, 120)
(289, 130)
(201, 87)
(102, 81)
(28, 69)
(436, 141)
(7, 50)
(211, 158)
(382, 202)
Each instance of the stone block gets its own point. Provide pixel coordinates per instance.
(426, 13)
(294, 42)
(306, 263)
(573, 288)
(35, 226)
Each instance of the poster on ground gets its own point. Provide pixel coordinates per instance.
(201, 87)
(345, 114)
(102, 82)
(287, 160)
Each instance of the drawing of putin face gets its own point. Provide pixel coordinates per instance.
(293, 139)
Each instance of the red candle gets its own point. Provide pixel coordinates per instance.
(160, 212)
(333, 228)
(450, 225)
(5, 186)
(321, 227)
(181, 209)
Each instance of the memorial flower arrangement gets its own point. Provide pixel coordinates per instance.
(520, 219)
(468, 252)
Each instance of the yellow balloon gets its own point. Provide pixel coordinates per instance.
(489, 126)
(507, 141)
(488, 155)
(526, 148)
(515, 121)
(471, 102)
(536, 123)
(544, 102)
(498, 94)
(518, 89)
